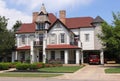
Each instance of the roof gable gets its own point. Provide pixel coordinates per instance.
(58, 21)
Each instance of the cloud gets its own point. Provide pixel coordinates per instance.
(13, 15)
(51, 4)
(28, 6)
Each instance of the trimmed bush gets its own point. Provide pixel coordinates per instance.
(22, 66)
(33, 67)
(4, 66)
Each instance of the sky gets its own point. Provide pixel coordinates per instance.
(22, 9)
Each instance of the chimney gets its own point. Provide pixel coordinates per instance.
(62, 16)
(35, 14)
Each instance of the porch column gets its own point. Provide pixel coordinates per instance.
(66, 57)
(31, 53)
(16, 55)
(82, 58)
(101, 56)
(37, 55)
(44, 51)
(13, 57)
(77, 56)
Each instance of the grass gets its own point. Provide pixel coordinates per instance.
(64, 69)
(112, 70)
(27, 75)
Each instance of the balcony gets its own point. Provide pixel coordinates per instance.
(38, 43)
(74, 43)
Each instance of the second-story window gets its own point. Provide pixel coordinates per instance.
(41, 37)
(23, 39)
(87, 37)
(53, 38)
(62, 37)
(40, 26)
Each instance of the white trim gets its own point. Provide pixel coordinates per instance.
(66, 57)
(77, 56)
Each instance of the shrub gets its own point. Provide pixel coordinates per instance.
(39, 65)
(4, 66)
(22, 66)
(56, 63)
(48, 65)
(33, 67)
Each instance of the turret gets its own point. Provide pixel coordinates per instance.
(42, 20)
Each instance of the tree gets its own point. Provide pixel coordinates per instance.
(16, 25)
(111, 36)
(3, 23)
(7, 41)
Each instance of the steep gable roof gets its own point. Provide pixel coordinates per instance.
(55, 23)
(98, 19)
(79, 22)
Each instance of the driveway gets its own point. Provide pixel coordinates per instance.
(88, 73)
(91, 73)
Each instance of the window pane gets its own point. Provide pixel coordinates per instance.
(62, 55)
(53, 55)
(62, 38)
(53, 39)
(86, 37)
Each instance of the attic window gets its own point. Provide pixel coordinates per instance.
(40, 26)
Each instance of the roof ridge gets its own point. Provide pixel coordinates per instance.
(80, 17)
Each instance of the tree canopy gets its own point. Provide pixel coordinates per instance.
(16, 25)
(7, 40)
(111, 35)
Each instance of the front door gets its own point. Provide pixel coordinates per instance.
(40, 56)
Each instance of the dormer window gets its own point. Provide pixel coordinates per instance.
(40, 26)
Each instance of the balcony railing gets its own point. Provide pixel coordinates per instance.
(38, 43)
(74, 43)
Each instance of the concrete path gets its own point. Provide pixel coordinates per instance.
(12, 69)
(91, 73)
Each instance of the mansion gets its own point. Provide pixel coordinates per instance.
(68, 40)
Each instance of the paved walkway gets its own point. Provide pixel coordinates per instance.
(91, 73)
(12, 69)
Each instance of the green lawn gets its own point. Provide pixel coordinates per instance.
(112, 70)
(64, 69)
(27, 75)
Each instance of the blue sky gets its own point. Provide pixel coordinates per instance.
(22, 9)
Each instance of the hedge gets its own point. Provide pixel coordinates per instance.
(22, 66)
(4, 66)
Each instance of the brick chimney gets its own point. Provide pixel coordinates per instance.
(62, 16)
(35, 14)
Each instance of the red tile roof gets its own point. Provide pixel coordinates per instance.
(62, 46)
(79, 22)
(30, 27)
(27, 28)
(52, 18)
(23, 48)
(71, 23)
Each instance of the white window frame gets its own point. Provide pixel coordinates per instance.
(87, 37)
